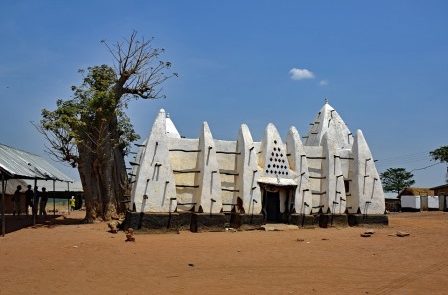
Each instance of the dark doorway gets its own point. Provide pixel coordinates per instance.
(273, 207)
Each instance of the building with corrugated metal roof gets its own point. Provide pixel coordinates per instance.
(18, 167)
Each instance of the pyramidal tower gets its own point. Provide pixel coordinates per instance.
(326, 177)
(328, 119)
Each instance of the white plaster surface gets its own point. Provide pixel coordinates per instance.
(248, 172)
(136, 168)
(273, 159)
(283, 194)
(201, 169)
(334, 199)
(208, 194)
(299, 164)
(171, 130)
(433, 202)
(155, 184)
(326, 119)
(367, 193)
(410, 202)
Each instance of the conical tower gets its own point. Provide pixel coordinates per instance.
(154, 181)
(326, 119)
(171, 130)
(368, 193)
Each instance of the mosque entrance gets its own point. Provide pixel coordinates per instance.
(277, 202)
(273, 213)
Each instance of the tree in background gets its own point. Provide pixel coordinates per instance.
(396, 179)
(91, 130)
(441, 154)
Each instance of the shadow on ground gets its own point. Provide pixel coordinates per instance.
(15, 223)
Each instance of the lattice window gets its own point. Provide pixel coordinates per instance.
(277, 162)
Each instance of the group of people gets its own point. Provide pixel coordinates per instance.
(33, 199)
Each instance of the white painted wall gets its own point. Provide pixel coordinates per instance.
(248, 172)
(334, 199)
(410, 202)
(367, 193)
(208, 194)
(283, 195)
(199, 170)
(155, 185)
(328, 119)
(183, 156)
(299, 164)
(433, 202)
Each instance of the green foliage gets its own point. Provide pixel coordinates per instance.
(84, 119)
(396, 179)
(440, 154)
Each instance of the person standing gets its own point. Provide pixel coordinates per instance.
(72, 203)
(16, 201)
(36, 200)
(29, 198)
(43, 202)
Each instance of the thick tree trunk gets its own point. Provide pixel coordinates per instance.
(120, 180)
(104, 179)
(90, 185)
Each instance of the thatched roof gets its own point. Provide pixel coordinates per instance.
(416, 191)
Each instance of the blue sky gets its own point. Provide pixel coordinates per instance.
(382, 64)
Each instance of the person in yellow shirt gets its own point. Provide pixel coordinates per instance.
(72, 203)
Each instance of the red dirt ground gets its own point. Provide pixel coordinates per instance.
(86, 259)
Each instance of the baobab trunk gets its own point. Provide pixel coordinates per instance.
(104, 178)
(89, 184)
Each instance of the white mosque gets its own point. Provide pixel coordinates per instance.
(328, 172)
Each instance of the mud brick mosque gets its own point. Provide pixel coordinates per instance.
(325, 178)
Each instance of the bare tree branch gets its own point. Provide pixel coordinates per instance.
(62, 147)
(138, 67)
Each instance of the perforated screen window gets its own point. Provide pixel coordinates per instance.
(277, 163)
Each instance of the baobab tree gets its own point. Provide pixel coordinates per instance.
(91, 130)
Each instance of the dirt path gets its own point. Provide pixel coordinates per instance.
(86, 259)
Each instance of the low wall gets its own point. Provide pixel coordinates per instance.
(200, 222)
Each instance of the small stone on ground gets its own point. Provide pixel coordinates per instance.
(402, 234)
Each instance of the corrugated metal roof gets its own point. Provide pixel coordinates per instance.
(59, 186)
(12, 184)
(20, 164)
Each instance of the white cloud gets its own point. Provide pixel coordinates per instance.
(300, 74)
(323, 83)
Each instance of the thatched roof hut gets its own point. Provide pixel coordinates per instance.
(416, 191)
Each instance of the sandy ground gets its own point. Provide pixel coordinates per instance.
(86, 259)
